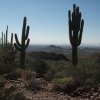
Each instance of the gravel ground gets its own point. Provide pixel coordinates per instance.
(88, 92)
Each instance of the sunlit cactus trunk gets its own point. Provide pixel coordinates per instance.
(75, 31)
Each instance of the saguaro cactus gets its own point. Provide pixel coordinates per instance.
(75, 31)
(8, 50)
(5, 38)
(11, 39)
(23, 45)
(2, 41)
(7, 35)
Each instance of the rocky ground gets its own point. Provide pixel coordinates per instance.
(44, 94)
(86, 92)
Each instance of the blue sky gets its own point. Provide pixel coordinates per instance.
(48, 19)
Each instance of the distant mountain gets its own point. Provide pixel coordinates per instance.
(48, 56)
(90, 45)
(52, 48)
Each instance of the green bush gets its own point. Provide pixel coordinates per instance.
(40, 67)
(6, 68)
(64, 85)
(11, 95)
(29, 75)
(15, 74)
(87, 70)
(2, 81)
(18, 96)
(49, 75)
(33, 85)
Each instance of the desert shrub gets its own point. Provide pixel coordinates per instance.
(49, 75)
(5, 94)
(11, 95)
(40, 67)
(87, 70)
(58, 66)
(29, 62)
(2, 81)
(33, 85)
(1, 94)
(6, 68)
(29, 75)
(60, 74)
(2, 78)
(15, 74)
(64, 85)
(18, 96)
(57, 69)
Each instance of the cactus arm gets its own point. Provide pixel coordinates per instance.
(2, 41)
(6, 34)
(27, 32)
(81, 31)
(11, 38)
(70, 27)
(24, 29)
(17, 47)
(27, 43)
(17, 41)
(70, 33)
(74, 8)
(79, 20)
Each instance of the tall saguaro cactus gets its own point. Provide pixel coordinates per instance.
(2, 41)
(11, 39)
(7, 35)
(24, 44)
(75, 31)
(8, 50)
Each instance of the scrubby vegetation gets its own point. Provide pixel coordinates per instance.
(48, 56)
(45, 71)
(61, 74)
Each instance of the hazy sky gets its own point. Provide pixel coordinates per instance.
(48, 19)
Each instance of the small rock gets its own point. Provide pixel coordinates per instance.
(95, 94)
(99, 96)
(92, 97)
(92, 89)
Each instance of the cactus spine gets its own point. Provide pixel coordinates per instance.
(23, 45)
(75, 31)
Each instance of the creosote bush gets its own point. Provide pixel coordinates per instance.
(29, 75)
(63, 85)
(15, 74)
(11, 95)
(40, 67)
(6, 68)
(32, 85)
